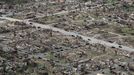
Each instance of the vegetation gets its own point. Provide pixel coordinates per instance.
(111, 1)
(128, 7)
(15, 1)
(127, 31)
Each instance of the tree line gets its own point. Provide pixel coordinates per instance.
(14, 1)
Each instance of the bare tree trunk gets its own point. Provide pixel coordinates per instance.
(46, 7)
(68, 7)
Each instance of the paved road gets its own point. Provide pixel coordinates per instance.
(86, 38)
